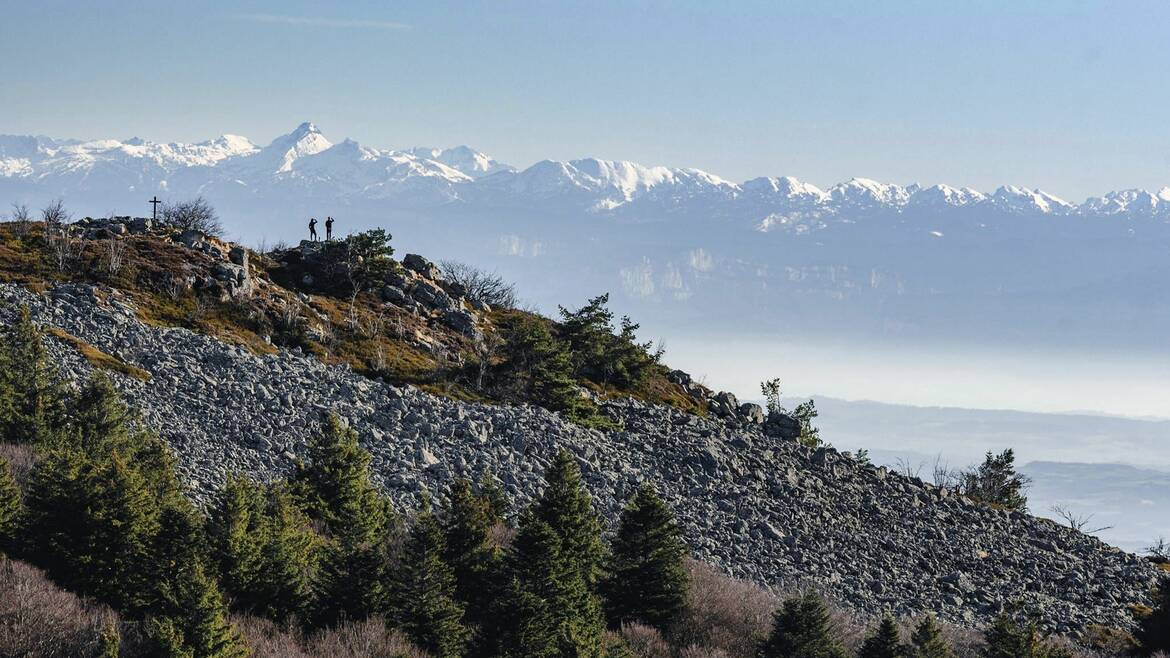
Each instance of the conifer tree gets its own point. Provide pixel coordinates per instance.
(539, 603)
(100, 420)
(289, 559)
(10, 506)
(497, 501)
(426, 607)
(236, 531)
(187, 604)
(467, 526)
(335, 489)
(647, 580)
(1008, 638)
(567, 508)
(928, 641)
(801, 628)
(883, 642)
(1153, 633)
(31, 394)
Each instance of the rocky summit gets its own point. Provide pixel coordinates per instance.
(758, 506)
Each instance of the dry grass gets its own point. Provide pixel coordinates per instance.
(98, 358)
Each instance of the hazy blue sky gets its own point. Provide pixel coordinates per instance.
(1068, 96)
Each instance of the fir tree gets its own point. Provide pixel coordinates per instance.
(10, 506)
(100, 420)
(335, 489)
(1153, 632)
(188, 604)
(237, 532)
(289, 559)
(883, 642)
(497, 501)
(801, 628)
(567, 508)
(468, 520)
(928, 641)
(996, 482)
(647, 580)
(31, 396)
(1008, 638)
(537, 367)
(426, 608)
(539, 602)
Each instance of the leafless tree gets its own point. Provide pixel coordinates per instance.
(64, 245)
(942, 475)
(114, 254)
(487, 287)
(194, 215)
(1076, 521)
(907, 467)
(1159, 550)
(21, 219)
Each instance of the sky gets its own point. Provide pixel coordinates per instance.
(1064, 95)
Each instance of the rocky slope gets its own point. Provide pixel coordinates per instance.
(759, 507)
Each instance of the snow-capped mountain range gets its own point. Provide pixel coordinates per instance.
(304, 161)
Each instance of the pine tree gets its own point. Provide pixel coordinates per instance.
(10, 506)
(335, 489)
(647, 580)
(567, 508)
(996, 482)
(801, 628)
(237, 531)
(426, 607)
(468, 520)
(289, 559)
(538, 604)
(1008, 638)
(497, 500)
(928, 641)
(883, 642)
(537, 367)
(100, 420)
(31, 395)
(187, 603)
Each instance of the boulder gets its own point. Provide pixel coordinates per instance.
(782, 426)
(239, 256)
(751, 413)
(461, 321)
(393, 294)
(422, 266)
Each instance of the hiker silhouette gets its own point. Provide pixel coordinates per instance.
(313, 229)
(328, 228)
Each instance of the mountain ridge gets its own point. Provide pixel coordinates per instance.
(463, 174)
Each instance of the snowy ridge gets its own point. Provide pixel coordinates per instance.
(305, 160)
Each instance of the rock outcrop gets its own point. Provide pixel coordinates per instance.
(756, 505)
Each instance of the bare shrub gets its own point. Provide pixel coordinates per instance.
(64, 246)
(1159, 551)
(37, 618)
(21, 460)
(361, 639)
(696, 651)
(723, 613)
(943, 475)
(194, 215)
(908, 468)
(481, 285)
(21, 219)
(55, 213)
(113, 255)
(268, 640)
(645, 641)
(1079, 522)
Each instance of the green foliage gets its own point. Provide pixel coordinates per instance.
(1008, 638)
(601, 354)
(109, 642)
(928, 641)
(647, 579)
(567, 508)
(996, 482)
(368, 256)
(801, 628)
(426, 606)
(335, 490)
(883, 641)
(771, 392)
(536, 367)
(474, 560)
(31, 395)
(1153, 632)
(10, 507)
(804, 413)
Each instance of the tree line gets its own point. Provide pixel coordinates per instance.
(103, 513)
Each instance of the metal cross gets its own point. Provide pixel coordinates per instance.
(154, 210)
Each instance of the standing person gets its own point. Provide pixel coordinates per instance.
(313, 229)
(328, 229)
